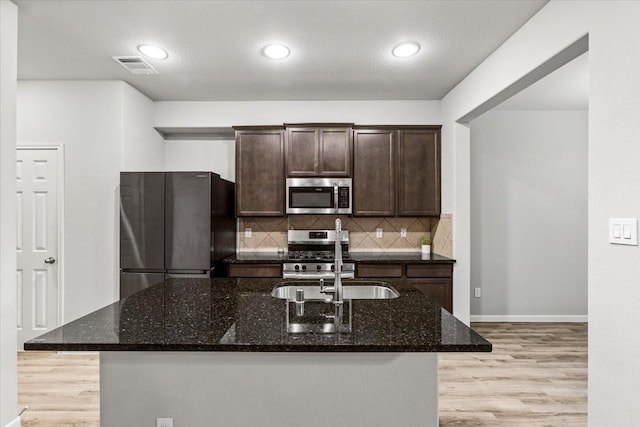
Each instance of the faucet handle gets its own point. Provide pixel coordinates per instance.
(299, 302)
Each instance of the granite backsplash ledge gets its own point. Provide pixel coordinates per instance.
(270, 234)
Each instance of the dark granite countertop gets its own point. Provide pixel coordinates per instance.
(377, 257)
(241, 315)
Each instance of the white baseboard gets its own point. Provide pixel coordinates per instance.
(531, 318)
(14, 423)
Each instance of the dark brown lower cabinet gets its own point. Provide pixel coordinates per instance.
(433, 280)
(379, 270)
(254, 270)
(439, 290)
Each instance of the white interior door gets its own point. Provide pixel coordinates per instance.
(37, 242)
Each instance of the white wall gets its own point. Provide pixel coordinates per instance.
(529, 215)
(220, 114)
(86, 118)
(218, 156)
(142, 146)
(614, 191)
(614, 176)
(8, 76)
(105, 127)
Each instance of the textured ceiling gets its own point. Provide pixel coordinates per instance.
(340, 49)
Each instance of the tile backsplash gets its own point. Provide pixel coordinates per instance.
(270, 234)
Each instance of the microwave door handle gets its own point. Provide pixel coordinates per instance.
(335, 197)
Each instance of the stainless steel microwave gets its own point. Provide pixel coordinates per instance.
(319, 196)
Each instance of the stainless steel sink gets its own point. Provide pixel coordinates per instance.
(351, 290)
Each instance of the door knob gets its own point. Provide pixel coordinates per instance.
(50, 260)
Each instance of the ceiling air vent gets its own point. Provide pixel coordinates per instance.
(135, 64)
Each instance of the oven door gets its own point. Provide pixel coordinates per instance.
(317, 196)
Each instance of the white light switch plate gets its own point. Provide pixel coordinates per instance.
(247, 233)
(623, 231)
(379, 233)
(403, 232)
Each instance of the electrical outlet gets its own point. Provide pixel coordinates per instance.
(164, 422)
(403, 232)
(247, 233)
(379, 233)
(477, 292)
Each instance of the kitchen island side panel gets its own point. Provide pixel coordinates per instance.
(276, 389)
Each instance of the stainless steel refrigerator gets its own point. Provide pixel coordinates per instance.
(174, 224)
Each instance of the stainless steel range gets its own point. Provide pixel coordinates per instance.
(311, 255)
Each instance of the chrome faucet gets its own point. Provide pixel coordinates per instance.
(337, 285)
(337, 301)
(337, 268)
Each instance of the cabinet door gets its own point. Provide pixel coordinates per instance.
(260, 172)
(302, 151)
(419, 173)
(374, 172)
(318, 151)
(335, 147)
(438, 290)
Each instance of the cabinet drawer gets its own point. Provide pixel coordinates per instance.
(255, 270)
(429, 270)
(379, 270)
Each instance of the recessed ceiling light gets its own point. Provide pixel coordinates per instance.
(153, 51)
(275, 51)
(404, 50)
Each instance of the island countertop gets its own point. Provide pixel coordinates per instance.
(240, 315)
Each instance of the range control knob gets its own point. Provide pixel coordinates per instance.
(304, 267)
(297, 267)
(333, 267)
(318, 267)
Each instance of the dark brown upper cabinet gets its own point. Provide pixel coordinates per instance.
(374, 184)
(318, 149)
(419, 171)
(260, 170)
(396, 171)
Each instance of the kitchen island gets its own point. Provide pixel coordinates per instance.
(211, 352)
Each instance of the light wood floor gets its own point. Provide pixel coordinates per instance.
(536, 376)
(60, 389)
